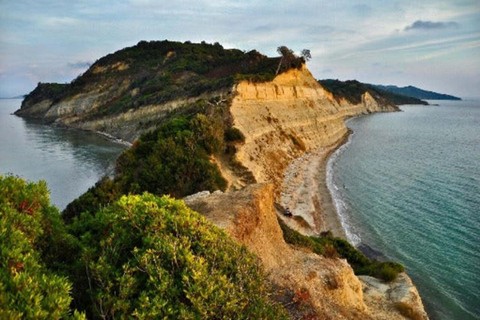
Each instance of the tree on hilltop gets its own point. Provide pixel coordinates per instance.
(287, 57)
(306, 55)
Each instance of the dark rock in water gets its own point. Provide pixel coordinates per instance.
(371, 253)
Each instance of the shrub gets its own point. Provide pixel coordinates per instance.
(331, 247)
(152, 257)
(173, 159)
(234, 135)
(32, 240)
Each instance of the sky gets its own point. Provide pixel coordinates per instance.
(431, 44)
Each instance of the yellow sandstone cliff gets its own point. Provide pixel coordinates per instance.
(283, 120)
(287, 117)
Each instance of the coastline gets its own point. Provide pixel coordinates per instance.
(305, 191)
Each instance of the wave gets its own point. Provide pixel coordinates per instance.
(340, 204)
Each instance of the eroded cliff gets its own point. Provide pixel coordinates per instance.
(309, 285)
(287, 117)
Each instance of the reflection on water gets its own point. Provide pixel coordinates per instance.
(70, 161)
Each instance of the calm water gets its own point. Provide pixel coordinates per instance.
(408, 184)
(70, 161)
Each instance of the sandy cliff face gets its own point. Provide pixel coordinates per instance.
(287, 117)
(309, 285)
(328, 286)
(82, 112)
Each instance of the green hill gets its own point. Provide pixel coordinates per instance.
(415, 92)
(352, 91)
(156, 72)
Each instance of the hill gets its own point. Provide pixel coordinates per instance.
(146, 76)
(352, 90)
(411, 91)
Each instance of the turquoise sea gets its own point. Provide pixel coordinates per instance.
(70, 161)
(408, 185)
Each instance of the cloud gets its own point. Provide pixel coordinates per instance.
(79, 64)
(430, 25)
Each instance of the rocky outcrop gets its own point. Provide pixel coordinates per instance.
(308, 285)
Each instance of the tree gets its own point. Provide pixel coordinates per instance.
(287, 57)
(306, 55)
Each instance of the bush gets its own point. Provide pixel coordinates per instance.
(331, 247)
(174, 159)
(152, 257)
(32, 240)
(234, 135)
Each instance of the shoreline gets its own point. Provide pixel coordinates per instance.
(305, 191)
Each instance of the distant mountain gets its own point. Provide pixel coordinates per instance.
(415, 92)
(353, 90)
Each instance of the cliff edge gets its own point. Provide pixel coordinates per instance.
(308, 285)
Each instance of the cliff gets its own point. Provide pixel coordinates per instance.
(309, 285)
(289, 116)
(282, 119)
(132, 90)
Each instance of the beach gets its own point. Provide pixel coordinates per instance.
(305, 192)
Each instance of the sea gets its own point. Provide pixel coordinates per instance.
(70, 161)
(407, 184)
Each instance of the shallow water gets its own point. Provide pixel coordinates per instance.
(70, 161)
(408, 184)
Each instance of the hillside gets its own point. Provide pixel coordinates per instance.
(222, 123)
(352, 91)
(411, 91)
(136, 87)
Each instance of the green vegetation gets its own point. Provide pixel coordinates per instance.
(153, 258)
(173, 159)
(47, 91)
(32, 242)
(330, 247)
(234, 135)
(156, 72)
(352, 91)
(141, 257)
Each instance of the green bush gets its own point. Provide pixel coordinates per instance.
(32, 243)
(330, 246)
(232, 134)
(152, 257)
(174, 159)
(105, 192)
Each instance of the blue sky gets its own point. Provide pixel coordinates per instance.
(432, 44)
